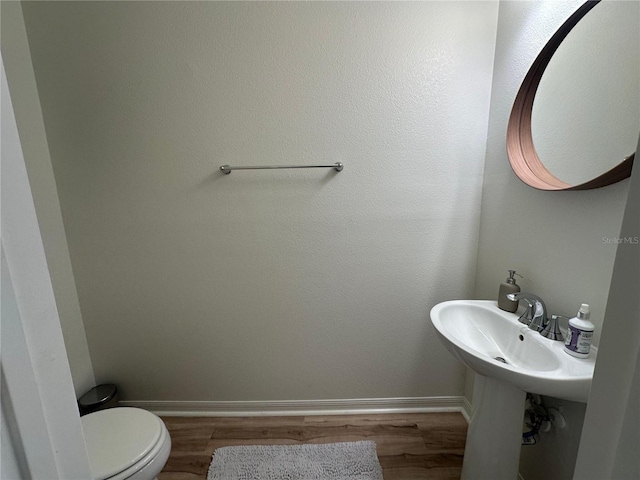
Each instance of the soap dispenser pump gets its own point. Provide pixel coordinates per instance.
(509, 286)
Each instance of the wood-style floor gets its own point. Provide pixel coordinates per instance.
(410, 446)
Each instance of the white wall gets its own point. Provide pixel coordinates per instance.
(267, 285)
(611, 437)
(15, 51)
(10, 462)
(556, 240)
(13, 462)
(46, 433)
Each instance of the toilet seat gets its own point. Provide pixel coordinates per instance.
(122, 441)
(159, 453)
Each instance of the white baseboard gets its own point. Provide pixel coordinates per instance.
(467, 409)
(302, 407)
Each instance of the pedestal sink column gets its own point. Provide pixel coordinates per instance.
(494, 437)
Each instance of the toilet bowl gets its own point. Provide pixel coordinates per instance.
(125, 443)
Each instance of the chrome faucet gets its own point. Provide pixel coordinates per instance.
(535, 316)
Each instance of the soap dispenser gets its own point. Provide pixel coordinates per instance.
(509, 286)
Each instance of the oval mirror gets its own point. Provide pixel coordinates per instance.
(576, 126)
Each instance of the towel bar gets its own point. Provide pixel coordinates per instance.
(227, 168)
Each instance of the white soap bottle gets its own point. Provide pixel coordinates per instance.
(580, 334)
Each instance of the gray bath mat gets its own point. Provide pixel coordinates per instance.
(328, 461)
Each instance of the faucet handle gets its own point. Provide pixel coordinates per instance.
(528, 314)
(552, 329)
(526, 317)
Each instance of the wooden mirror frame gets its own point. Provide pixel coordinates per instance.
(520, 149)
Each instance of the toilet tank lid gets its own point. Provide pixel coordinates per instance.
(117, 438)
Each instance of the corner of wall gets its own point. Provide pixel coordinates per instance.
(570, 226)
(605, 436)
(24, 94)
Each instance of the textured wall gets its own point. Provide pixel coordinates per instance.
(267, 284)
(555, 239)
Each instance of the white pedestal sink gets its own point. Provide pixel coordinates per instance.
(510, 360)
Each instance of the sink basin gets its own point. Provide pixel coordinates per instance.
(510, 359)
(493, 343)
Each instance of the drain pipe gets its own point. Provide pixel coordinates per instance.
(536, 419)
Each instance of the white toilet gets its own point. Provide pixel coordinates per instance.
(125, 443)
